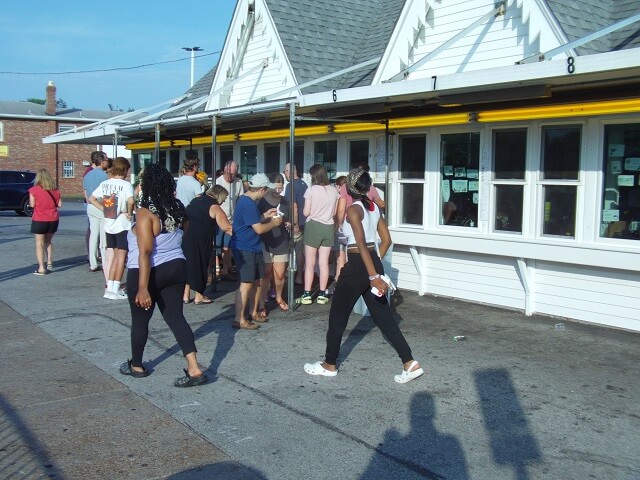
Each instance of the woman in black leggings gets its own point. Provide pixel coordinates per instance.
(157, 273)
(359, 276)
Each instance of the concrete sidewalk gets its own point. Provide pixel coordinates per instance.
(516, 399)
(64, 418)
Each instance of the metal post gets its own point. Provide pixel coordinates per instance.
(292, 257)
(387, 197)
(213, 181)
(214, 145)
(156, 153)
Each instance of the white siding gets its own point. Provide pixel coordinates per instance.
(595, 295)
(523, 31)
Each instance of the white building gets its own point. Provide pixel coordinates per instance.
(506, 136)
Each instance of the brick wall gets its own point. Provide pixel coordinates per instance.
(27, 152)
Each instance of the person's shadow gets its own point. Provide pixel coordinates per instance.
(424, 451)
(512, 442)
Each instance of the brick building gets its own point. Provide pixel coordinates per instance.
(24, 124)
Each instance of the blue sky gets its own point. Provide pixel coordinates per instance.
(47, 37)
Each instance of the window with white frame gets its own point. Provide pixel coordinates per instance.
(1, 132)
(68, 169)
(65, 127)
(412, 162)
(272, 157)
(620, 214)
(509, 167)
(560, 170)
(326, 154)
(459, 178)
(248, 161)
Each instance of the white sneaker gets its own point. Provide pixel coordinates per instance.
(107, 294)
(115, 296)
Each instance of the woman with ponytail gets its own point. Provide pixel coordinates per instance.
(362, 276)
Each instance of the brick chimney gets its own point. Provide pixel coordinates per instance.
(50, 104)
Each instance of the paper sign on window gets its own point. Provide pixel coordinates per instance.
(459, 186)
(625, 180)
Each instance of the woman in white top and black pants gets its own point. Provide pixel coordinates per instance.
(361, 274)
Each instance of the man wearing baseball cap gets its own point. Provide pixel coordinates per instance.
(246, 247)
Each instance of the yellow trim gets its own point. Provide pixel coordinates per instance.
(513, 114)
(560, 111)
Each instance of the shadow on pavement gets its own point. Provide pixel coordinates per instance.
(222, 470)
(512, 442)
(22, 455)
(425, 451)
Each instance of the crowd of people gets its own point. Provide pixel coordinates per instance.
(177, 237)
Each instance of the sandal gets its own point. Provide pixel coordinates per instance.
(189, 381)
(245, 326)
(318, 369)
(38, 272)
(125, 369)
(409, 374)
(283, 305)
(205, 301)
(262, 317)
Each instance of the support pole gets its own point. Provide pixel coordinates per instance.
(214, 131)
(292, 169)
(156, 152)
(387, 197)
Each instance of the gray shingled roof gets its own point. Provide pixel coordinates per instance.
(37, 110)
(579, 18)
(324, 37)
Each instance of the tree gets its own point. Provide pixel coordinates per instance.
(60, 103)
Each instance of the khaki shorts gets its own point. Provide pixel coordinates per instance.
(274, 257)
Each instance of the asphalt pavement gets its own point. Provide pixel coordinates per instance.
(517, 398)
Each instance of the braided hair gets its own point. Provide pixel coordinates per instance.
(158, 195)
(358, 185)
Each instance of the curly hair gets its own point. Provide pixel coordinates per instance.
(158, 195)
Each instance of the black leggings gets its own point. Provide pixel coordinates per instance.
(353, 283)
(166, 286)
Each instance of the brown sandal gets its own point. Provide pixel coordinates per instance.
(283, 305)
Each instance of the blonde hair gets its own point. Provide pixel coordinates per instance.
(44, 179)
(218, 193)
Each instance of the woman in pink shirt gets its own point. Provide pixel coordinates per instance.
(45, 200)
(319, 210)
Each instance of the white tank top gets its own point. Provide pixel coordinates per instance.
(369, 224)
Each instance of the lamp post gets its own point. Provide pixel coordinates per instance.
(193, 51)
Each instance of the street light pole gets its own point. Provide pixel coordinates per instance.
(193, 51)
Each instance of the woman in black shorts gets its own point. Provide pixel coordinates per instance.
(45, 200)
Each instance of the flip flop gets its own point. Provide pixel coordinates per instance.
(409, 374)
(318, 369)
(186, 302)
(283, 305)
(37, 272)
(203, 302)
(245, 326)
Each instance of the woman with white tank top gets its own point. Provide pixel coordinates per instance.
(359, 276)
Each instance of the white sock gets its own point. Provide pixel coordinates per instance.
(116, 286)
(110, 286)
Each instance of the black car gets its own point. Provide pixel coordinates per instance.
(14, 190)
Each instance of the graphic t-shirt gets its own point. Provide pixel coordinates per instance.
(244, 236)
(114, 194)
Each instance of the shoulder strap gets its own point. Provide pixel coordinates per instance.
(55, 204)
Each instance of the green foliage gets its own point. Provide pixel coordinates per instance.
(39, 101)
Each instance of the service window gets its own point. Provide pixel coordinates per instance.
(509, 166)
(620, 215)
(272, 158)
(248, 161)
(174, 162)
(226, 154)
(560, 174)
(358, 153)
(298, 156)
(326, 154)
(413, 154)
(459, 178)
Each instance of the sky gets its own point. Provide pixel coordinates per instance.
(41, 39)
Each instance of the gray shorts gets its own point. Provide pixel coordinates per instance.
(250, 265)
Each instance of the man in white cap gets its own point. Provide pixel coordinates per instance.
(246, 246)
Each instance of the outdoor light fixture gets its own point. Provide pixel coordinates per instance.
(193, 51)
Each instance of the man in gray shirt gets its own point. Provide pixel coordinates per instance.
(97, 238)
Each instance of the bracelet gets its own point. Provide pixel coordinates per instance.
(372, 277)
